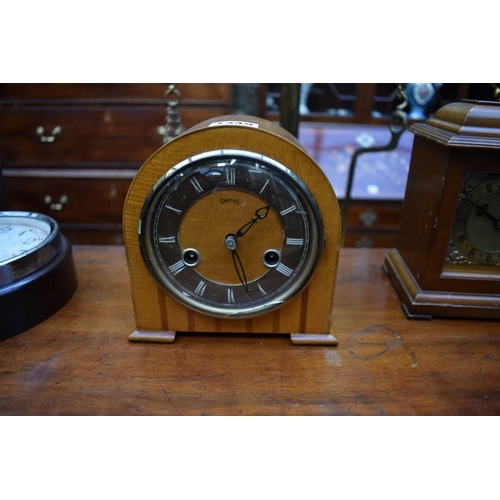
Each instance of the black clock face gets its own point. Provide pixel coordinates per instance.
(231, 233)
(476, 230)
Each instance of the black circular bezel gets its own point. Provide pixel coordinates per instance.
(235, 306)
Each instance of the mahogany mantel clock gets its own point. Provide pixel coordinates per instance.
(447, 260)
(232, 227)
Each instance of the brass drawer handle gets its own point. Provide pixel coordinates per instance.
(48, 138)
(368, 217)
(55, 206)
(364, 242)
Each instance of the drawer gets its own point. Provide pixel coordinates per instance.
(373, 223)
(107, 135)
(378, 213)
(67, 198)
(214, 94)
(371, 239)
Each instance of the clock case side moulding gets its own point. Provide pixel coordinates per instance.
(461, 137)
(308, 316)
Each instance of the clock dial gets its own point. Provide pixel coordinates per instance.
(20, 234)
(231, 233)
(28, 241)
(476, 230)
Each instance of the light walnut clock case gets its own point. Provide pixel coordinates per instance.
(307, 317)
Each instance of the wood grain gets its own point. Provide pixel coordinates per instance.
(79, 362)
(193, 94)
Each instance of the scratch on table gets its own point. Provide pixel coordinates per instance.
(239, 388)
(159, 378)
(333, 357)
(393, 340)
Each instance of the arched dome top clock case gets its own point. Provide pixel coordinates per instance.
(232, 227)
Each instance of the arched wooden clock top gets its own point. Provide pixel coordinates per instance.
(232, 228)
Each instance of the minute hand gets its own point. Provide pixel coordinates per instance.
(260, 213)
(483, 209)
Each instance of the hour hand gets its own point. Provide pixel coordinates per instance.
(260, 213)
(483, 209)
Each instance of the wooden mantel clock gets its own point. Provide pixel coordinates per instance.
(232, 227)
(447, 260)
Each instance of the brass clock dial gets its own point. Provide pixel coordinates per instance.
(476, 230)
(231, 233)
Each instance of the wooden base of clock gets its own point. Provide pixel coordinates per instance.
(422, 304)
(311, 339)
(160, 337)
(167, 337)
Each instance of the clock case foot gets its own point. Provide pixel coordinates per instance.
(425, 305)
(160, 337)
(313, 339)
(167, 337)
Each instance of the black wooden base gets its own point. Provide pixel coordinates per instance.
(33, 299)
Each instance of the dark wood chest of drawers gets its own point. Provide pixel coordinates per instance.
(71, 150)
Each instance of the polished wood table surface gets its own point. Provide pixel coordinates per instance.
(79, 362)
